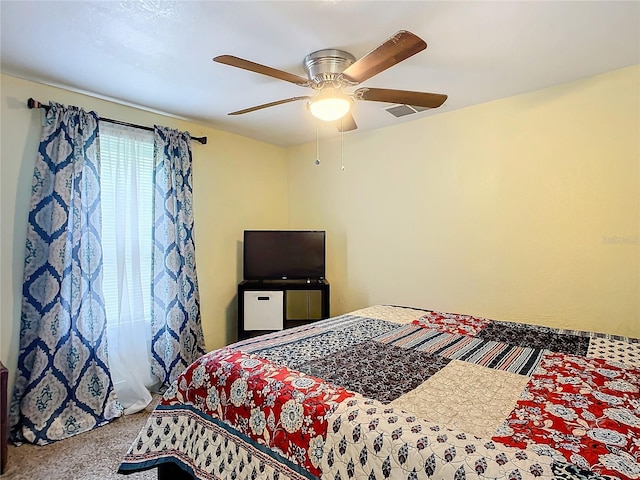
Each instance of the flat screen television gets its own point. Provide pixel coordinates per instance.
(284, 254)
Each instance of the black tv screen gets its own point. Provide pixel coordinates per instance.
(284, 254)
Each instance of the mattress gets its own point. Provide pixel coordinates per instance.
(403, 393)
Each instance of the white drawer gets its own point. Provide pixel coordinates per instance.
(264, 310)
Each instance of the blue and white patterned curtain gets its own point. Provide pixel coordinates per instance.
(176, 330)
(62, 383)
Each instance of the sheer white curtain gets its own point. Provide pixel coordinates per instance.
(126, 180)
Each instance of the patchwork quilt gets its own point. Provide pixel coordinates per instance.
(400, 393)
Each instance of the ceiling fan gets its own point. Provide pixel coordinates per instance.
(331, 71)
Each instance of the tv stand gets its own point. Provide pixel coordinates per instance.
(276, 286)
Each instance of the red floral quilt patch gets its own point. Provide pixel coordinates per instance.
(584, 410)
(452, 323)
(274, 406)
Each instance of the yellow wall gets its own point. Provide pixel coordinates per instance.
(524, 209)
(238, 183)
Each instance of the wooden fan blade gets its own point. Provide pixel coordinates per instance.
(346, 123)
(417, 99)
(401, 46)
(262, 69)
(270, 104)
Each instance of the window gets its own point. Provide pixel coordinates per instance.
(126, 177)
(126, 180)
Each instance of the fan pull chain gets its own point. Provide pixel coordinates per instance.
(317, 146)
(341, 145)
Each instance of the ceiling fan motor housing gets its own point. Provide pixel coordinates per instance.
(326, 66)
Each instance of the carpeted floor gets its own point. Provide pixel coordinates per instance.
(93, 455)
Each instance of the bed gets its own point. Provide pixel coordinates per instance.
(392, 392)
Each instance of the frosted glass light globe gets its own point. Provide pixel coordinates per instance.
(329, 105)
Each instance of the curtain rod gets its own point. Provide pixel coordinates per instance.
(31, 103)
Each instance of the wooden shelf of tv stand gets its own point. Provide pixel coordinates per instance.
(283, 286)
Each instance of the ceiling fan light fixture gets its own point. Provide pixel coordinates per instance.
(330, 105)
(330, 71)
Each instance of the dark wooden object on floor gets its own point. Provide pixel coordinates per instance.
(4, 431)
(171, 471)
(284, 286)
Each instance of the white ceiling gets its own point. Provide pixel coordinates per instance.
(157, 54)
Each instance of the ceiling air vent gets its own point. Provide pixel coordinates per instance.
(404, 110)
